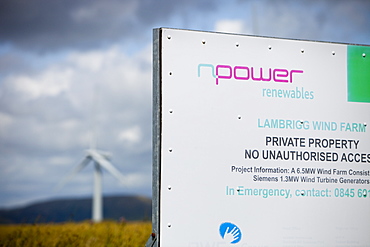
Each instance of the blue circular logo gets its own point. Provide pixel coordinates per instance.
(230, 232)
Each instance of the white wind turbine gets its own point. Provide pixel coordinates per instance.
(101, 160)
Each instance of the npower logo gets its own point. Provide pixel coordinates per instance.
(227, 72)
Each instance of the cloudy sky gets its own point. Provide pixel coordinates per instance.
(70, 68)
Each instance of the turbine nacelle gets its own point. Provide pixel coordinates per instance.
(105, 154)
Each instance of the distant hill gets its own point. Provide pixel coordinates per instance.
(115, 207)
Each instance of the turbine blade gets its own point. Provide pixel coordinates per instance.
(78, 168)
(106, 155)
(101, 160)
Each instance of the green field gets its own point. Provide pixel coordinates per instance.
(108, 234)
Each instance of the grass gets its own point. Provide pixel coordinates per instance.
(108, 234)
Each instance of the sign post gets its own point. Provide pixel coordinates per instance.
(260, 141)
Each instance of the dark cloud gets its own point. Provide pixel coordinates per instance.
(44, 25)
(47, 25)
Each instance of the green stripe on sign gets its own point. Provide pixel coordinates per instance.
(358, 68)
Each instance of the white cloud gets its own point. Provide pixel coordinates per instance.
(51, 82)
(96, 60)
(131, 135)
(137, 179)
(230, 26)
(59, 160)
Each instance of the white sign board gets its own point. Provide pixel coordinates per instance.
(261, 141)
